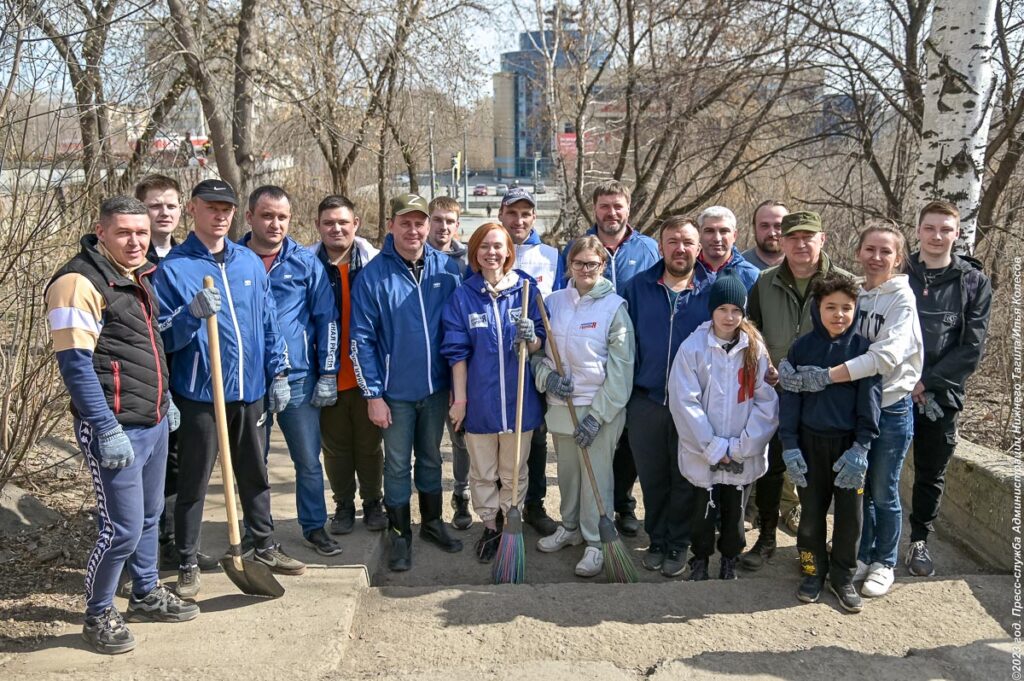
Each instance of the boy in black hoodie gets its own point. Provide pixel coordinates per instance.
(825, 437)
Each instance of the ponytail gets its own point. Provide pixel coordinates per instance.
(752, 355)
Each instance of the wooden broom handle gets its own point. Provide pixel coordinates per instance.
(520, 382)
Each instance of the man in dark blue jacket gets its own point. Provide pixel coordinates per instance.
(668, 301)
(308, 319)
(254, 361)
(396, 338)
(718, 253)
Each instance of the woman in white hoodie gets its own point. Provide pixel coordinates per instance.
(886, 316)
(725, 415)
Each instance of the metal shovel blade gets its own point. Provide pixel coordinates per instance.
(249, 575)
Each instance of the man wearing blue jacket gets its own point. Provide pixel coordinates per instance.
(396, 336)
(254, 361)
(308, 319)
(718, 253)
(668, 301)
(629, 253)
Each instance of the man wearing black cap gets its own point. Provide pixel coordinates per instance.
(254, 362)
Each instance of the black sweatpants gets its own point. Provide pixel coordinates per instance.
(197, 452)
(934, 444)
(667, 494)
(728, 501)
(537, 464)
(625, 474)
(768, 488)
(820, 453)
(170, 490)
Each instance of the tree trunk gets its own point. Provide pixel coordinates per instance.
(957, 110)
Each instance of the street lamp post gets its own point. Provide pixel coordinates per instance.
(430, 144)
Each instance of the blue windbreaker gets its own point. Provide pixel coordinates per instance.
(664, 327)
(472, 334)
(738, 265)
(306, 311)
(395, 329)
(634, 255)
(251, 347)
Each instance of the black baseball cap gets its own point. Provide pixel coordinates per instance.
(517, 194)
(215, 190)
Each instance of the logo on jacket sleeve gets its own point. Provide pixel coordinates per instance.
(477, 320)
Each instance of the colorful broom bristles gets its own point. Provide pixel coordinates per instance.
(618, 566)
(510, 562)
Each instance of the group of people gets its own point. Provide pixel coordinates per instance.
(720, 380)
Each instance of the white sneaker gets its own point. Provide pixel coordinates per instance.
(559, 540)
(878, 581)
(862, 571)
(591, 564)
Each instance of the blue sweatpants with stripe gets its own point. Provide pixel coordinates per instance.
(129, 503)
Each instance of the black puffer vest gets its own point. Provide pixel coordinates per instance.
(129, 356)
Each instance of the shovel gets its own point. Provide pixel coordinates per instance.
(249, 575)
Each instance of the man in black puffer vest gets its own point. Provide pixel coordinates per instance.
(103, 323)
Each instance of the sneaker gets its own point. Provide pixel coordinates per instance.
(107, 633)
(878, 582)
(373, 515)
(487, 545)
(810, 589)
(278, 561)
(188, 581)
(627, 523)
(727, 568)
(344, 519)
(698, 569)
(559, 540)
(653, 558)
(791, 520)
(674, 563)
(461, 519)
(536, 517)
(321, 543)
(759, 554)
(862, 571)
(161, 605)
(919, 561)
(591, 564)
(847, 595)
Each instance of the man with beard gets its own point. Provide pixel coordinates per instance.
(668, 301)
(767, 235)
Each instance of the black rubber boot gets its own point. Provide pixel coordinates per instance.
(432, 527)
(400, 536)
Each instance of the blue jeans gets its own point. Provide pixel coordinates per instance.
(883, 515)
(300, 424)
(415, 427)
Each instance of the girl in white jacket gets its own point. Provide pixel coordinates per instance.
(725, 414)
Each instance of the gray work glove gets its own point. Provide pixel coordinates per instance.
(930, 408)
(279, 394)
(814, 379)
(852, 467)
(586, 431)
(173, 415)
(795, 466)
(115, 449)
(558, 385)
(735, 467)
(205, 304)
(326, 391)
(525, 331)
(788, 378)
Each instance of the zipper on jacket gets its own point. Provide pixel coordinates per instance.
(156, 356)
(501, 363)
(668, 353)
(238, 332)
(116, 366)
(423, 316)
(195, 370)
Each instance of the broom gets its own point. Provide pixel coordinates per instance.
(510, 561)
(618, 566)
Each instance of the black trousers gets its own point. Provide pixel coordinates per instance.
(170, 490)
(668, 496)
(768, 487)
(625, 474)
(820, 453)
(728, 501)
(197, 452)
(537, 465)
(934, 444)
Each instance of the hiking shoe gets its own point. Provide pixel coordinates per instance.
(344, 519)
(161, 605)
(878, 582)
(848, 597)
(653, 558)
(627, 523)
(373, 515)
(591, 564)
(487, 545)
(919, 561)
(436, 532)
(862, 571)
(674, 563)
(791, 521)
(188, 581)
(759, 554)
(207, 563)
(107, 633)
(321, 543)
(698, 569)
(559, 539)
(461, 519)
(278, 561)
(536, 517)
(810, 589)
(727, 568)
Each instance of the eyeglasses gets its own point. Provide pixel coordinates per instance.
(581, 266)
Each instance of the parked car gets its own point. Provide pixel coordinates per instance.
(501, 189)
(480, 190)
(540, 188)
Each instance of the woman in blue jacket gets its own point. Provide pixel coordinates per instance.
(483, 326)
